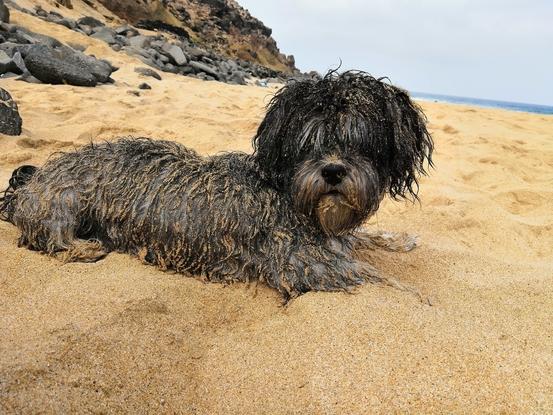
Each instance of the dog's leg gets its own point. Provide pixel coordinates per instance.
(317, 268)
(49, 223)
(82, 250)
(389, 241)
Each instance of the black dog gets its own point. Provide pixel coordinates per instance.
(325, 155)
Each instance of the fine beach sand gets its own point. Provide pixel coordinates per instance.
(118, 335)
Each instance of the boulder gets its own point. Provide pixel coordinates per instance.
(201, 67)
(127, 31)
(10, 120)
(144, 85)
(7, 64)
(237, 78)
(50, 67)
(175, 53)
(19, 62)
(148, 72)
(36, 38)
(11, 48)
(100, 69)
(89, 21)
(104, 33)
(139, 42)
(196, 53)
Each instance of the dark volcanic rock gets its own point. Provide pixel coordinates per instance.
(10, 120)
(50, 67)
(175, 53)
(126, 30)
(201, 67)
(100, 69)
(7, 64)
(237, 78)
(89, 21)
(166, 27)
(106, 34)
(144, 85)
(148, 72)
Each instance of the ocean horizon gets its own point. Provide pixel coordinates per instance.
(486, 103)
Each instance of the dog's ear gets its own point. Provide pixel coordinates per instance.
(409, 145)
(275, 149)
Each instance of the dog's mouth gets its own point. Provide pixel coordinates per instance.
(336, 214)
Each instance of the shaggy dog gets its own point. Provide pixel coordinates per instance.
(325, 155)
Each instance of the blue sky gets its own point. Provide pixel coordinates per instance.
(485, 49)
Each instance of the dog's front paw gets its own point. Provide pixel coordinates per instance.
(389, 241)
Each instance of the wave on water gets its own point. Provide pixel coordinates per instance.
(489, 103)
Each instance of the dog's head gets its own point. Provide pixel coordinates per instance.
(340, 144)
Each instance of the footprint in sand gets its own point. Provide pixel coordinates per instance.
(449, 129)
(519, 202)
(40, 143)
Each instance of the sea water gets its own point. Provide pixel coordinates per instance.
(489, 103)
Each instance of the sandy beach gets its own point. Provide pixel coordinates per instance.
(119, 336)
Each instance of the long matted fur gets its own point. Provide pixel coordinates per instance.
(325, 155)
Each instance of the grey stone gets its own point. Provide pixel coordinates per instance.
(136, 52)
(175, 53)
(116, 47)
(7, 64)
(148, 72)
(8, 75)
(27, 77)
(121, 40)
(196, 53)
(77, 46)
(144, 85)
(40, 11)
(237, 78)
(87, 30)
(101, 70)
(106, 34)
(89, 21)
(50, 67)
(11, 48)
(38, 38)
(139, 42)
(70, 24)
(202, 67)
(19, 62)
(185, 70)
(169, 67)
(10, 120)
(127, 30)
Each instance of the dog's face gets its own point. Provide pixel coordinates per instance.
(340, 144)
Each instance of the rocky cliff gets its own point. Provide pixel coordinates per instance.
(221, 25)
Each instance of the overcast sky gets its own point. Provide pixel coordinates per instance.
(497, 49)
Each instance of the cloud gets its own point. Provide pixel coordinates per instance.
(491, 49)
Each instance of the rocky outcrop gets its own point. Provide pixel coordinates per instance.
(38, 57)
(10, 120)
(221, 25)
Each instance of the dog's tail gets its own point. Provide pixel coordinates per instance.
(20, 177)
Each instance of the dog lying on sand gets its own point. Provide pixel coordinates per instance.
(289, 214)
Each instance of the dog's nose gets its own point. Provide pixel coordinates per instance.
(333, 173)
